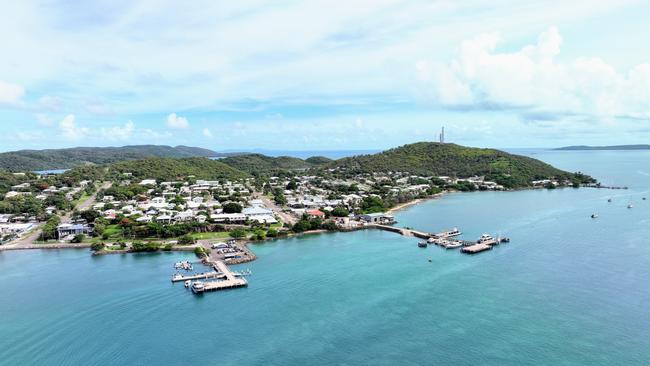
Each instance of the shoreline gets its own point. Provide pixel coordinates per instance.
(414, 202)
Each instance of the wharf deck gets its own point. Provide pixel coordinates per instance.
(199, 276)
(230, 279)
(476, 248)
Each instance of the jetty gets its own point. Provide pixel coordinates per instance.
(230, 280)
(199, 276)
(476, 248)
(403, 231)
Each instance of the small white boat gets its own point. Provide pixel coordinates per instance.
(630, 206)
(593, 216)
(453, 245)
(188, 283)
(487, 240)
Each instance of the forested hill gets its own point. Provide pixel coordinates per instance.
(435, 159)
(262, 164)
(161, 169)
(31, 160)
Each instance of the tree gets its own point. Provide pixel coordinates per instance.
(186, 240)
(292, 185)
(50, 229)
(238, 233)
(95, 247)
(259, 234)
(272, 233)
(232, 207)
(301, 226)
(372, 204)
(79, 238)
(340, 212)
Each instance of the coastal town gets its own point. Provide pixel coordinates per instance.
(171, 205)
(149, 215)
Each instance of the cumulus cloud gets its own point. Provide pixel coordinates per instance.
(11, 94)
(70, 130)
(207, 133)
(532, 78)
(118, 132)
(177, 122)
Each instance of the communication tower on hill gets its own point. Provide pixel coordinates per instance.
(442, 135)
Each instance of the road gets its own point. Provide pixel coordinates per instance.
(286, 218)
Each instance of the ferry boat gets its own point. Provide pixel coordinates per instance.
(188, 283)
(423, 244)
(198, 286)
(486, 239)
(446, 234)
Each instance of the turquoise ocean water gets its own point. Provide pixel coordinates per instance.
(568, 290)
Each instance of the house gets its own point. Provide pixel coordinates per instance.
(228, 218)
(251, 212)
(316, 214)
(378, 218)
(148, 182)
(64, 230)
(264, 219)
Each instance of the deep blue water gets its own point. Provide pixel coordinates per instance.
(568, 290)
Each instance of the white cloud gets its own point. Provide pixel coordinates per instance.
(207, 133)
(118, 133)
(177, 122)
(531, 78)
(11, 94)
(70, 130)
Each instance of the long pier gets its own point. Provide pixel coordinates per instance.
(199, 276)
(443, 239)
(403, 231)
(231, 280)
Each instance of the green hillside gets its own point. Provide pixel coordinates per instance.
(261, 164)
(163, 169)
(435, 159)
(31, 160)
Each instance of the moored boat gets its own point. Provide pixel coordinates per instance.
(188, 283)
(198, 286)
(487, 240)
(422, 244)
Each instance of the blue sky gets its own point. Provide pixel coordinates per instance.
(313, 75)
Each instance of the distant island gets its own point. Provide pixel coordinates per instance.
(613, 147)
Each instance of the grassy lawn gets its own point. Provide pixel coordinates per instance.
(84, 197)
(211, 235)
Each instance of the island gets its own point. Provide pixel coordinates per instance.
(612, 147)
(216, 207)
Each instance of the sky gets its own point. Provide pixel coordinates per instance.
(323, 75)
